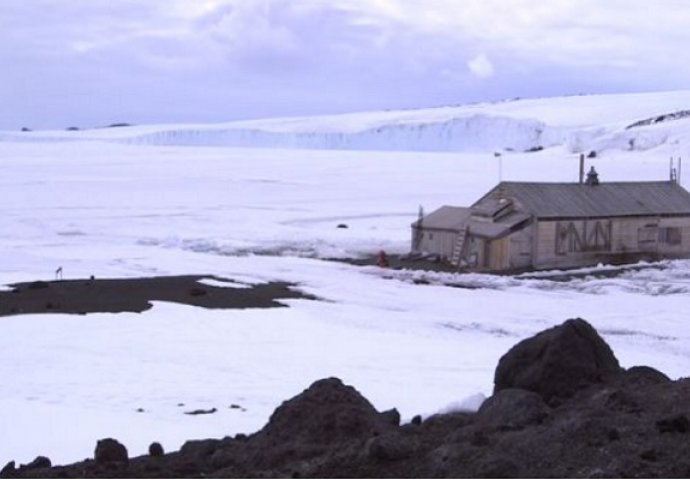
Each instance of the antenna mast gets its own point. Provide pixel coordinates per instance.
(672, 172)
(500, 166)
(419, 233)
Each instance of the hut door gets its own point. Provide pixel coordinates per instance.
(648, 237)
(520, 252)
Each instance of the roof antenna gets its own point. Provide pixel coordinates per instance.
(672, 173)
(500, 166)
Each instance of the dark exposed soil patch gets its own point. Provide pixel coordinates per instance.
(136, 295)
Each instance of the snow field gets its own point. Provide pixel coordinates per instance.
(109, 208)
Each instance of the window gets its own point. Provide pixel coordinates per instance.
(431, 236)
(647, 234)
(670, 235)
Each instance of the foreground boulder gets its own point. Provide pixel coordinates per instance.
(563, 407)
(557, 362)
(328, 412)
(110, 450)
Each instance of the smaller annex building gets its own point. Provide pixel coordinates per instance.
(529, 225)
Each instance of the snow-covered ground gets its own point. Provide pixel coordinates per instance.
(131, 208)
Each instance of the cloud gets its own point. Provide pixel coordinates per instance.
(86, 61)
(481, 66)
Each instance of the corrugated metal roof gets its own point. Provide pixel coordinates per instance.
(445, 218)
(607, 199)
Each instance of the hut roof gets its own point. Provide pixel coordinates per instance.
(572, 200)
(445, 218)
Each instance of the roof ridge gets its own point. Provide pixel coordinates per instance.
(615, 182)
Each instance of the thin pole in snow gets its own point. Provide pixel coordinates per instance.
(500, 166)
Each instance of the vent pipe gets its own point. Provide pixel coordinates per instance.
(582, 168)
(592, 177)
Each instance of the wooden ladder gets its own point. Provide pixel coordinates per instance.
(459, 247)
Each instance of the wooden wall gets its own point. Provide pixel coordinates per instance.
(572, 243)
(436, 241)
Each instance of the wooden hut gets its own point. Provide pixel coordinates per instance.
(529, 225)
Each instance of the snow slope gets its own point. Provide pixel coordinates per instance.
(579, 123)
(112, 207)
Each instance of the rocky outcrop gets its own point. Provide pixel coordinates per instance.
(562, 407)
(557, 362)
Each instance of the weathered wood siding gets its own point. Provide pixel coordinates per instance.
(474, 252)
(436, 241)
(514, 251)
(498, 254)
(580, 242)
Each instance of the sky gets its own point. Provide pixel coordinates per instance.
(89, 63)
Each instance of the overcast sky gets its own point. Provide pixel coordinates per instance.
(96, 62)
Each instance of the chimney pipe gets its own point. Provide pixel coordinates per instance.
(582, 168)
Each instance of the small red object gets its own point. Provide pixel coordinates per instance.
(382, 260)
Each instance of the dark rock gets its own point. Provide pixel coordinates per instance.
(645, 376)
(479, 439)
(110, 450)
(649, 455)
(497, 466)
(512, 409)
(342, 225)
(224, 457)
(156, 450)
(201, 411)
(416, 420)
(9, 470)
(675, 424)
(38, 462)
(447, 423)
(199, 448)
(557, 362)
(327, 412)
(620, 400)
(391, 416)
(389, 447)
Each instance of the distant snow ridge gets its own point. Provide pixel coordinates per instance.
(627, 122)
(474, 133)
(660, 118)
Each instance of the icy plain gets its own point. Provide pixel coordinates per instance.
(127, 202)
